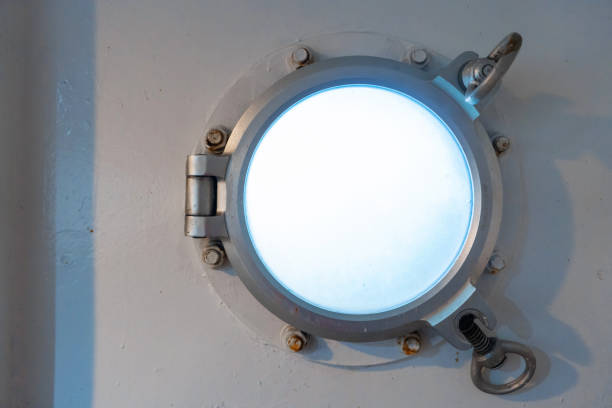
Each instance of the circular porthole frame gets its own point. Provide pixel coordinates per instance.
(450, 295)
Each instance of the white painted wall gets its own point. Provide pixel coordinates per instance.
(103, 296)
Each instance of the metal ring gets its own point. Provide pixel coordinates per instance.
(507, 347)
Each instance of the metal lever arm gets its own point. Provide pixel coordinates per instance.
(480, 75)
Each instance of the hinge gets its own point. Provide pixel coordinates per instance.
(202, 218)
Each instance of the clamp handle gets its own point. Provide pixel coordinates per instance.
(480, 75)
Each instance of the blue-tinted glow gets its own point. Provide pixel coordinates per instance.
(358, 199)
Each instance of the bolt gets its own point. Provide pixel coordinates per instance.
(501, 143)
(419, 56)
(478, 339)
(295, 343)
(411, 344)
(213, 255)
(486, 70)
(216, 138)
(496, 263)
(300, 57)
(294, 338)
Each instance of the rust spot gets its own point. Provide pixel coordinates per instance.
(457, 357)
(295, 343)
(407, 350)
(411, 345)
(91, 230)
(492, 271)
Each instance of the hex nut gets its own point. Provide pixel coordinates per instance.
(213, 255)
(501, 143)
(300, 57)
(411, 343)
(216, 139)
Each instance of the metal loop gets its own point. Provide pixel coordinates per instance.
(485, 73)
(506, 347)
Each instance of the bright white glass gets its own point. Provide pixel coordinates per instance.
(358, 199)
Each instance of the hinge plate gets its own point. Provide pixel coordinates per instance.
(202, 219)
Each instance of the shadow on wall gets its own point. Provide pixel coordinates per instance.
(53, 333)
(74, 213)
(547, 132)
(538, 238)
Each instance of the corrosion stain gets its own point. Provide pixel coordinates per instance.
(407, 350)
(295, 343)
(411, 345)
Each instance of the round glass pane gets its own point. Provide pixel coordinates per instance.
(358, 199)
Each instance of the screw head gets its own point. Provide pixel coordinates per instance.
(216, 138)
(213, 255)
(300, 57)
(419, 56)
(501, 143)
(411, 344)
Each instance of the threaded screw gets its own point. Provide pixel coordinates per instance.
(478, 339)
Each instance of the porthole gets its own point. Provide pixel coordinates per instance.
(359, 198)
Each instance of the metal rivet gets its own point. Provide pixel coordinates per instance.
(411, 344)
(295, 339)
(213, 255)
(501, 143)
(216, 139)
(300, 57)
